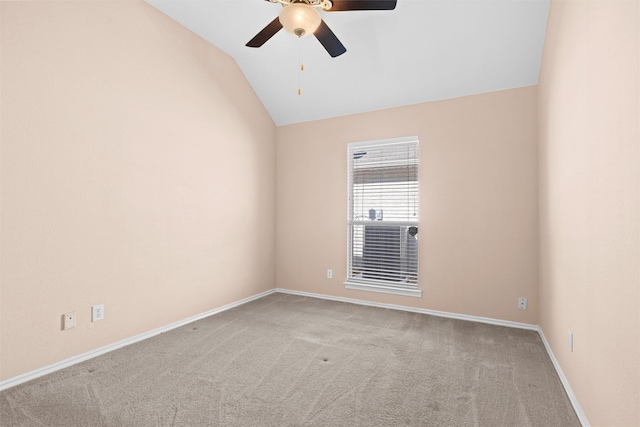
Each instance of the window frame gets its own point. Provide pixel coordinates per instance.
(372, 284)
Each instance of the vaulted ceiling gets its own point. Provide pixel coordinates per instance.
(424, 50)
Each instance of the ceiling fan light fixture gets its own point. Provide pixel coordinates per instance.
(300, 19)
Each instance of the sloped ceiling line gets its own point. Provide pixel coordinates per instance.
(424, 50)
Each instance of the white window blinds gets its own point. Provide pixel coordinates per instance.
(383, 216)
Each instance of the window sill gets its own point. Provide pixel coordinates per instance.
(383, 289)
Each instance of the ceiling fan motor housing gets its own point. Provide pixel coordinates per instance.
(323, 4)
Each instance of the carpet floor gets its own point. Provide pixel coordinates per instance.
(286, 360)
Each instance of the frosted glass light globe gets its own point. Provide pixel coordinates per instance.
(300, 19)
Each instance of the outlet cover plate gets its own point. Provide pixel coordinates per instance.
(522, 303)
(97, 312)
(69, 320)
(570, 341)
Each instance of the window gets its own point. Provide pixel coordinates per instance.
(383, 216)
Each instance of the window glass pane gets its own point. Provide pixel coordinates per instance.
(390, 201)
(383, 214)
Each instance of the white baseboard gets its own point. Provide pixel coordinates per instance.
(416, 310)
(11, 382)
(565, 383)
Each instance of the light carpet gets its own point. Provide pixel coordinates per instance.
(286, 360)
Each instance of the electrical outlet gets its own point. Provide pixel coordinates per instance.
(522, 303)
(69, 320)
(570, 341)
(329, 274)
(97, 312)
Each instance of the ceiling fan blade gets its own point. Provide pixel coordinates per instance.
(266, 33)
(344, 5)
(329, 40)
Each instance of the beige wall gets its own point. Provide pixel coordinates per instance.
(478, 203)
(138, 171)
(589, 203)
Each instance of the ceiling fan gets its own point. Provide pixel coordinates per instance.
(301, 18)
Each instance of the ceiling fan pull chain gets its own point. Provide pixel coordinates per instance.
(300, 65)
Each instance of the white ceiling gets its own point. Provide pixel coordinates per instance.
(424, 50)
